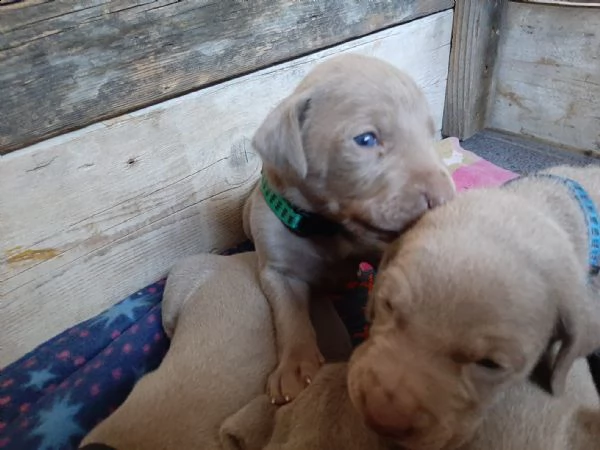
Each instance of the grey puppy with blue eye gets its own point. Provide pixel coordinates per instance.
(348, 164)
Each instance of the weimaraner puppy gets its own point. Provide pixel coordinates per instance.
(222, 350)
(348, 164)
(208, 393)
(492, 289)
(323, 418)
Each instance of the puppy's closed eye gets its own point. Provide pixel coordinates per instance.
(488, 363)
(494, 364)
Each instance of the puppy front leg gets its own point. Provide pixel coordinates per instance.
(299, 357)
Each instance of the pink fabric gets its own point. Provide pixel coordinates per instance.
(468, 170)
(480, 174)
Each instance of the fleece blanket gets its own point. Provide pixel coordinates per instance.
(51, 397)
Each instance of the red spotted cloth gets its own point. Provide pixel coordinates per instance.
(350, 305)
(54, 395)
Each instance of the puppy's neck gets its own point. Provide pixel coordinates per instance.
(559, 203)
(287, 190)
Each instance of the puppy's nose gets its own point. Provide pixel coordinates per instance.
(440, 190)
(387, 423)
(430, 202)
(391, 415)
(433, 201)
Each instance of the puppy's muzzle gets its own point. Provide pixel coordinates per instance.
(389, 410)
(439, 190)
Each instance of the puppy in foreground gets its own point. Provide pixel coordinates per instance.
(323, 418)
(348, 164)
(481, 299)
(208, 391)
(222, 349)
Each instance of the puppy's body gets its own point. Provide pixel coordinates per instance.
(354, 145)
(481, 294)
(323, 418)
(212, 305)
(221, 351)
(525, 417)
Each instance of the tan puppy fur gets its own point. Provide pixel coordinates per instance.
(310, 157)
(221, 352)
(322, 418)
(212, 304)
(481, 294)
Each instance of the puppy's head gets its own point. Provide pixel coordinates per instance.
(459, 312)
(354, 142)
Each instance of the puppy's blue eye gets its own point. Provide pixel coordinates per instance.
(366, 140)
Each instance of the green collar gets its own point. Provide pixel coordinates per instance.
(300, 222)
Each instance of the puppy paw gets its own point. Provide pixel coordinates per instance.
(293, 374)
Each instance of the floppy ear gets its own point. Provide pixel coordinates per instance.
(389, 254)
(278, 140)
(576, 335)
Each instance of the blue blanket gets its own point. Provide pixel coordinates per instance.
(53, 396)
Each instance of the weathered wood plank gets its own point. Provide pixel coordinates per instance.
(90, 216)
(472, 58)
(587, 3)
(69, 64)
(548, 75)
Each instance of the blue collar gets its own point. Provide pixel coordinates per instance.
(590, 214)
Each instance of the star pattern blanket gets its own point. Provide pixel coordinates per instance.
(54, 395)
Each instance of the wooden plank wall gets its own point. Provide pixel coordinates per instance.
(586, 3)
(90, 216)
(72, 63)
(475, 37)
(547, 79)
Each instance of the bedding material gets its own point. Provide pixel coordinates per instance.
(51, 397)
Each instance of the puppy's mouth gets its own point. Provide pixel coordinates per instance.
(382, 234)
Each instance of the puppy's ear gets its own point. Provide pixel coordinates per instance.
(390, 253)
(388, 256)
(278, 140)
(576, 335)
